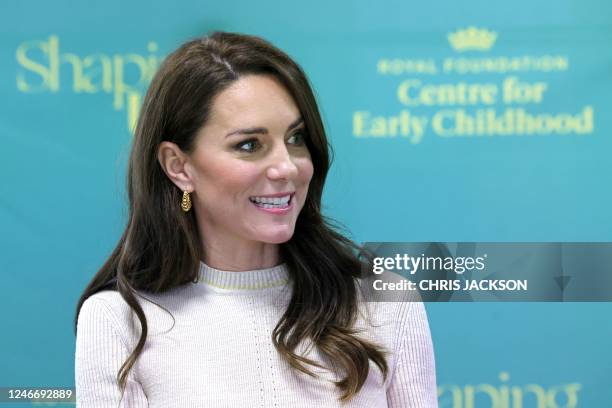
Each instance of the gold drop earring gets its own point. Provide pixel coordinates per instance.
(186, 201)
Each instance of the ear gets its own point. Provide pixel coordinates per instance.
(175, 164)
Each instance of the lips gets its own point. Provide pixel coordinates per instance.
(252, 198)
(287, 193)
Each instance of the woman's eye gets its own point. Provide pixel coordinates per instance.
(248, 146)
(297, 138)
(252, 145)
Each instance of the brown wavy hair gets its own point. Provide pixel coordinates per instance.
(160, 246)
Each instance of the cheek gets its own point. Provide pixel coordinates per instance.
(306, 170)
(227, 179)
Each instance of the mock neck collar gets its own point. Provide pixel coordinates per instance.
(257, 279)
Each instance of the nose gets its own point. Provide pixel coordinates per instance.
(282, 166)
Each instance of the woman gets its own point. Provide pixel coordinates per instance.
(243, 294)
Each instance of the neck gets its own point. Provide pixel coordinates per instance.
(234, 255)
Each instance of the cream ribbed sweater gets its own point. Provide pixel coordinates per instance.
(218, 352)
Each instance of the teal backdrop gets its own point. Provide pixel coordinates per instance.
(451, 121)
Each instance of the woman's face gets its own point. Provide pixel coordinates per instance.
(250, 166)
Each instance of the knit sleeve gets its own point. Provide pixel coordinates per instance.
(413, 382)
(100, 352)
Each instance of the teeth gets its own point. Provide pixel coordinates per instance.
(272, 205)
(275, 201)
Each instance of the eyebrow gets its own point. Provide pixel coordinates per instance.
(262, 130)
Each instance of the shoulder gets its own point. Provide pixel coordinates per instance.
(109, 302)
(105, 310)
(159, 310)
(390, 316)
(108, 297)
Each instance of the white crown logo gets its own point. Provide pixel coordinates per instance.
(472, 38)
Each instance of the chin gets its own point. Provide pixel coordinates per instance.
(277, 237)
